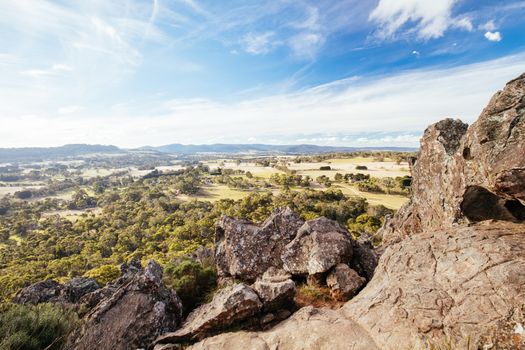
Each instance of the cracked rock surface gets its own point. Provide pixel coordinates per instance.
(453, 265)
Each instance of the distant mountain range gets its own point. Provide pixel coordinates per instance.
(262, 148)
(32, 154)
(28, 154)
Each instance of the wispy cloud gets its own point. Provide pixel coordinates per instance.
(306, 44)
(488, 26)
(400, 106)
(260, 43)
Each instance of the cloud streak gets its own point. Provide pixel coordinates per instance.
(400, 106)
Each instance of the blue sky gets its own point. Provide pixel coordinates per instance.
(347, 72)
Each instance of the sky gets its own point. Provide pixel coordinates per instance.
(341, 72)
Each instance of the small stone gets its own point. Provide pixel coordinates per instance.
(344, 282)
(267, 318)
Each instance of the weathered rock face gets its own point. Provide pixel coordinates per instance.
(275, 289)
(446, 284)
(50, 291)
(131, 312)
(448, 270)
(230, 305)
(319, 245)
(469, 175)
(39, 292)
(344, 282)
(309, 328)
(77, 287)
(364, 258)
(245, 251)
(456, 284)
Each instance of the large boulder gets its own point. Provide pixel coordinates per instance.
(320, 244)
(39, 292)
(76, 288)
(344, 282)
(245, 251)
(364, 258)
(468, 175)
(309, 328)
(455, 284)
(131, 312)
(229, 306)
(275, 289)
(50, 291)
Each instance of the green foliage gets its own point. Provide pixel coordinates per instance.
(288, 180)
(81, 200)
(324, 180)
(142, 218)
(29, 327)
(191, 280)
(370, 186)
(364, 223)
(104, 274)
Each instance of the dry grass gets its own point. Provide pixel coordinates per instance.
(388, 200)
(216, 192)
(315, 296)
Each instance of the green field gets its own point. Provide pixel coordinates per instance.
(378, 169)
(388, 200)
(216, 192)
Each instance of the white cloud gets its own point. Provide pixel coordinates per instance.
(493, 36)
(489, 26)
(257, 44)
(404, 104)
(311, 22)
(306, 44)
(464, 23)
(431, 18)
(416, 53)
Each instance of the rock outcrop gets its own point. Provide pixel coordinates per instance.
(449, 284)
(39, 292)
(469, 175)
(344, 282)
(245, 251)
(78, 287)
(308, 328)
(453, 266)
(50, 291)
(320, 244)
(275, 289)
(229, 306)
(364, 258)
(131, 311)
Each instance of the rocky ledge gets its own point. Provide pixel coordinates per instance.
(453, 265)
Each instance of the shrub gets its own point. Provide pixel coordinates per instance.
(28, 327)
(191, 281)
(315, 296)
(361, 167)
(369, 187)
(325, 167)
(24, 194)
(104, 274)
